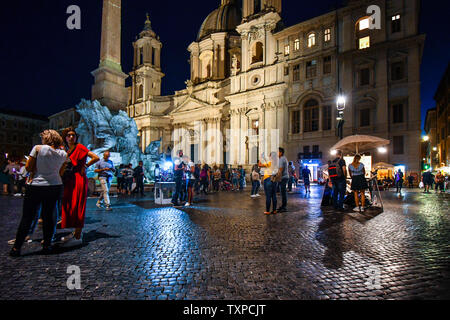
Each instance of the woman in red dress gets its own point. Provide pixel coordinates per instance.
(75, 186)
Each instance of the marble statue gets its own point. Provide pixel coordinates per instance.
(101, 130)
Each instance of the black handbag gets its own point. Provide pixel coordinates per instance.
(69, 170)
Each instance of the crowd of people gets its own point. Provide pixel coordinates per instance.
(54, 184)
(276, 174)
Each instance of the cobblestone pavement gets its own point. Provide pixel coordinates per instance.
(224, 247)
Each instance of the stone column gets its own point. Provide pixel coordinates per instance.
(158, 57)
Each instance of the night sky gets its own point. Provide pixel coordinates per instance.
(46, 68)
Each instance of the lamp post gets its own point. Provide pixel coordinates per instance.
(340, 105)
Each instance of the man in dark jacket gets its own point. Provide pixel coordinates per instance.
(139, 176)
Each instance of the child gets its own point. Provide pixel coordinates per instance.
(256, 183)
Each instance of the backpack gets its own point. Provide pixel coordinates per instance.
(335, 170)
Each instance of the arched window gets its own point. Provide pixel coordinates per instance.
(257, 52)
(311, 40)
(141, 55)
(206, 65)
(311, 116)
(140, 92)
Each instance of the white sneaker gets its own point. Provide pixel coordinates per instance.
(187, 204)
(11, 242)
(362, 209)
(357, 209)
(257, 195)
(253, 195)
(67, 238)
(72, 242)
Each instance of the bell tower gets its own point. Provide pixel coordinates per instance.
(146, 75)
(253, 7)
(109, 87)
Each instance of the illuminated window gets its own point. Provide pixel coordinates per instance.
(287, 50)
(311, 40)
(327, 35)
(396, 24)
(364, 24)
(297, 44)
(364, 43)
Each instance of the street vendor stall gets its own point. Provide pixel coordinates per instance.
(356, 144)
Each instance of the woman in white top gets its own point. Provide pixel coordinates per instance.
(45, 165)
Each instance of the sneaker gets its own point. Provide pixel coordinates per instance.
(253, 196)
(72, 242)
(357, 209)
(362, 209)
(274, 212)
(267, 213)
(281, 210)
(99, 205)
(11, 242)
(257, 195)
(187, 204)
(66, 238)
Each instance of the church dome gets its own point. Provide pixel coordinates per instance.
(224, 19)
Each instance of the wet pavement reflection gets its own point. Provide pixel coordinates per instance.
(224, 247)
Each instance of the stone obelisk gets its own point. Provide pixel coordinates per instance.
(109, 87)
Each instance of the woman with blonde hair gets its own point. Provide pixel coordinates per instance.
(45, 164)
(359, 183)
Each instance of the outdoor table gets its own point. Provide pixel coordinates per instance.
(164, 192)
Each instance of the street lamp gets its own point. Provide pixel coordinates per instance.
(382, 150)
(333, 152)
(340, 105)
(434, 148)
(425, 138)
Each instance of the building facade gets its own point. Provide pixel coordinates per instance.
(20, 132)
(64, 119)
(442, 98)
(431, 157)
(256, 85)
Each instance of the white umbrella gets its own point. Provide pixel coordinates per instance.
(383, 165)
(360, 143)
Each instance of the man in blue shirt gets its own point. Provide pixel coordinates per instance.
(105, 169)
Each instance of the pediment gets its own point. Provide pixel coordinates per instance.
(190, 104)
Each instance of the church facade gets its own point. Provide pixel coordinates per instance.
(256, 85)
